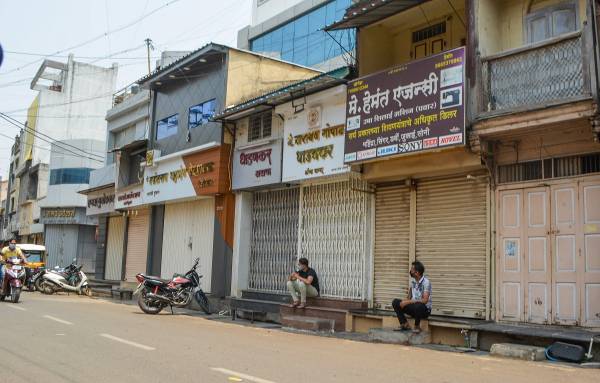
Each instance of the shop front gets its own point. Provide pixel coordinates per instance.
(193, 185)
(406, 127)
(69, 234)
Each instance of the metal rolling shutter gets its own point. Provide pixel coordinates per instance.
(334, 236)
(86, 249)
(451, 243)
(61, 244)
(273, 253)
(392, 228)
(188, 234)
(137, 244)
(114, 248)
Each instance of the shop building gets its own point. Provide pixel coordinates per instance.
(535, 104)
(187, 176)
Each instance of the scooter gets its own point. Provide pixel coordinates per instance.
(69, 279)
(34, 278)
(14, 274)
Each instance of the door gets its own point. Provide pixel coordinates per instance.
(137, 244)
(590, 252)
(392, 228)
(188, 234)
(114, 248)
(536, 236)
(61, 244)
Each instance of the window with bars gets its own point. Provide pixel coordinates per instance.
(260, 126)
(429, 41)
(550, 168)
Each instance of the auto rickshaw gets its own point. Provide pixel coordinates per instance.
(36, 262)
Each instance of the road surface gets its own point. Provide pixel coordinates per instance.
(77, 339)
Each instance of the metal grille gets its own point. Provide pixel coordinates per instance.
(533, 77)
(260, 126)
(429, 32)
(274, 239)
(550, 168)
(334, 236)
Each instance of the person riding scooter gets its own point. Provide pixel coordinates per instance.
(8, 252)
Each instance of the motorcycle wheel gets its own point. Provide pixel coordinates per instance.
(47, 288)
(87, 291)
(15, 294)
(203, 302)
(2, 298)
(146, 307)
(38, 284)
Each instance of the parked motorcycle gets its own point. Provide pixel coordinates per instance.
(155, 294)
(70, 279)
(14, 274)
(34, 278)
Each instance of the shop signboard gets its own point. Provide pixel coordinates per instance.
(257, 165)
(411, 108)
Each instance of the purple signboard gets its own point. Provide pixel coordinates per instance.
(410, 108)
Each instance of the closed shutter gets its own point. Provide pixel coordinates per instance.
(114, 248)
(392, 228)
(451, 243)
(61, 244)
(188, 234)
(274, 249)
(137, 244)
(334, 236)
(86, 249)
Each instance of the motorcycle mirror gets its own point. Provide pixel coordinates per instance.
(56, 267)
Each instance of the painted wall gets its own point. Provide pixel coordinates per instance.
(250, 75)
(501, 22)
(388, 43)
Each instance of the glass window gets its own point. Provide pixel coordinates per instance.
(260, 126)
(551, 22)
(166, 127)
(302, 40)
(70, 176)
(200, 114)
(33, 256)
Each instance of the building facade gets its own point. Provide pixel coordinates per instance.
(291, 30)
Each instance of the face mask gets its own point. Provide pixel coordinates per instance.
(12, 246)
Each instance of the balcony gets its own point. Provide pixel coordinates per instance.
(551, 72)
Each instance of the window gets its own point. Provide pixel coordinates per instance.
(302, 40)
(551, 22)
(200, 114)
(550, 168)
(166, 127)
(70, 176)
(429, 41)
(260, 126)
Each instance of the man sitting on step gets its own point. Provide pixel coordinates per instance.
(304, 282)
(418, 304)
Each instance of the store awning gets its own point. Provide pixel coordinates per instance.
(130, 146)
(367, 12)
(285, 94)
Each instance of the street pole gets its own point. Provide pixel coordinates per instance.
(148, 47)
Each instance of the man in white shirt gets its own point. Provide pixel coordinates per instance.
(418, 304)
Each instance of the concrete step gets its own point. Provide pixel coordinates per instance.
(102, 291)
(388, 335)
(255, 305)
(518, 351)
(271, 297)
(337, 315)
(308, 323)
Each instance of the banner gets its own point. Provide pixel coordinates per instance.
(415, 107)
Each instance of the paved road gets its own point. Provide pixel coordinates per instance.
(75, 339)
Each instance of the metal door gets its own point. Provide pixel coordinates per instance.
(114, 248)
(61, 244)
(137, 244)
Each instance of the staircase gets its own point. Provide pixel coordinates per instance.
(261, 306)
(321, 314)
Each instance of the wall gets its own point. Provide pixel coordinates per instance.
(271, 8)
(178, 98)
(250, 75)
(501, 22)
(388, 43)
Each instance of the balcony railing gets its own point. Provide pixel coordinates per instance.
(552, 71)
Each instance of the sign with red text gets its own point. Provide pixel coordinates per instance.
(407, 109)
(257, 165)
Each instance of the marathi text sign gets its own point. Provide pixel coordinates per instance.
(414, 107)
(257, 166)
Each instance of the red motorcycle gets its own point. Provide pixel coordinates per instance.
(155, 293)
(14, 275)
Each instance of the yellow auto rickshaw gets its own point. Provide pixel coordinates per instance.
(36, 262)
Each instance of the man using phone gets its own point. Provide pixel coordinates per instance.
(418, 304)
(304, 282)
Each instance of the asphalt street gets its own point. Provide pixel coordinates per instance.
(78, 339)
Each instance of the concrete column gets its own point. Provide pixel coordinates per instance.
(242, 240)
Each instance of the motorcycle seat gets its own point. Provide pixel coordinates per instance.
(156, 279)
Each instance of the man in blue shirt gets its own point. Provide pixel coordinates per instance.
(418, 304)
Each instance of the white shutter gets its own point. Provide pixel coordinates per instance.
(188, 234)
(392, 228)
(114, 248)
(137, 244)
(451, 243)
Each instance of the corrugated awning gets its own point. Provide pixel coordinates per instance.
(285, 94)
(132, 145)
(367, 12)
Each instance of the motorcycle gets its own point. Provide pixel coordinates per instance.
(70, 279)
(33, 280)
(155, 293)
(14, 274)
